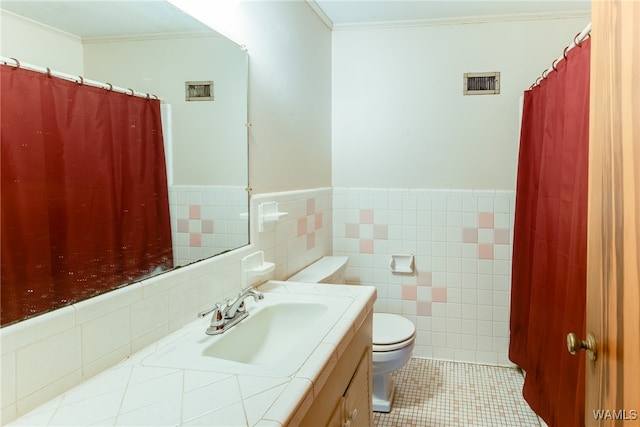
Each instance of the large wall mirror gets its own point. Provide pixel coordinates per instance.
(201, 77)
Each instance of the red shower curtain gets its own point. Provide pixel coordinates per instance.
(84, 192)
(548, 288)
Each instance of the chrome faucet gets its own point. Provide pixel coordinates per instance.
(223, 318)
(237, 307)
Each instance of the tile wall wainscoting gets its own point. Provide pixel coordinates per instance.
(459, 295)
(207, 220)
(44, 356)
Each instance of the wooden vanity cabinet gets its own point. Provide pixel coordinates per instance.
(345, 398)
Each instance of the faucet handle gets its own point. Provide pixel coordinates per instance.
(208, 311)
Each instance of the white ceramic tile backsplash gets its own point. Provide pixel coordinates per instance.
(105, 334)
(44, 356)
(459, 295)
(206, 220)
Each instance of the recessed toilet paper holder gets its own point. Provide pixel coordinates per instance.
(402, 263)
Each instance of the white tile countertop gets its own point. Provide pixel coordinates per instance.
(132, 393)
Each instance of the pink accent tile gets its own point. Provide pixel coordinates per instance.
(366, 216)
(311, 241)
(366, 246)
(439, 295)
(183, 226)
(352, 230)
(409, 293)
(485, 251)
(194, 212)
(423, 308)
(470, 235)
(195, 239)
(425, 278)
(207, 226)
(302, 226)
(311, 206)
(501, 236)
(485, 219)
(318, 221)
(381, 232)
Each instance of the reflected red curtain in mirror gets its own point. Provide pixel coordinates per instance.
(548, 288)
(84, 192)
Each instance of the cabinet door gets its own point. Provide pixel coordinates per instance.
(357, 405)
(337, 417)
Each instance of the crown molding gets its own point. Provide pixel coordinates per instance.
(40, 25)
(320, 13)
(463, 20)
(150, 36)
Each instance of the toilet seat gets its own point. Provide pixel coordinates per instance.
(391, 332)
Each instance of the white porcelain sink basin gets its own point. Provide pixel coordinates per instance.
(281, 331)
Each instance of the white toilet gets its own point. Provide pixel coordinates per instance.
(393, 335)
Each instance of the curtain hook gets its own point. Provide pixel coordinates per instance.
(17, 62)
(81, 82)
(564, 53)
(545, 73)
(48, 72)
(576, 42)
(538, 81)
(553, 65)
(110, 87)
(132, 92)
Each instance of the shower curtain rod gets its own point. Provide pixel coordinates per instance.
(13, 62)
(576, 42)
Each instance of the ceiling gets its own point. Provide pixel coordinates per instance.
(359, 12)
(97, 18)
(107, 18)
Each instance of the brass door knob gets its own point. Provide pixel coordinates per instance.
(574, 345)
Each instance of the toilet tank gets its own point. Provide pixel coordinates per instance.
(329, 269)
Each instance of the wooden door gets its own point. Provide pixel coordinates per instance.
(613, 254)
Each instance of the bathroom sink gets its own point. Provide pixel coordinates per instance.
(268, 334)
(281, 331)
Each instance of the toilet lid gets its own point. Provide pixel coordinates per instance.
(391, 329)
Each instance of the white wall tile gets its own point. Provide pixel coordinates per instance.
(477, 289)
(103, 335)
(487, 357)
(105, 303)
(42, 363)
(8, 369)
(18, 335)
(149, 314)
(45, 394)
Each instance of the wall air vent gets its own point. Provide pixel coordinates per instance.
(198, 91)
(481, 83)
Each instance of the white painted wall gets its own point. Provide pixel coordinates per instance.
(400, 119)
(36, 44)
(290, 97)
(289, 88)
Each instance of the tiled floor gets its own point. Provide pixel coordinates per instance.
(436, 393)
